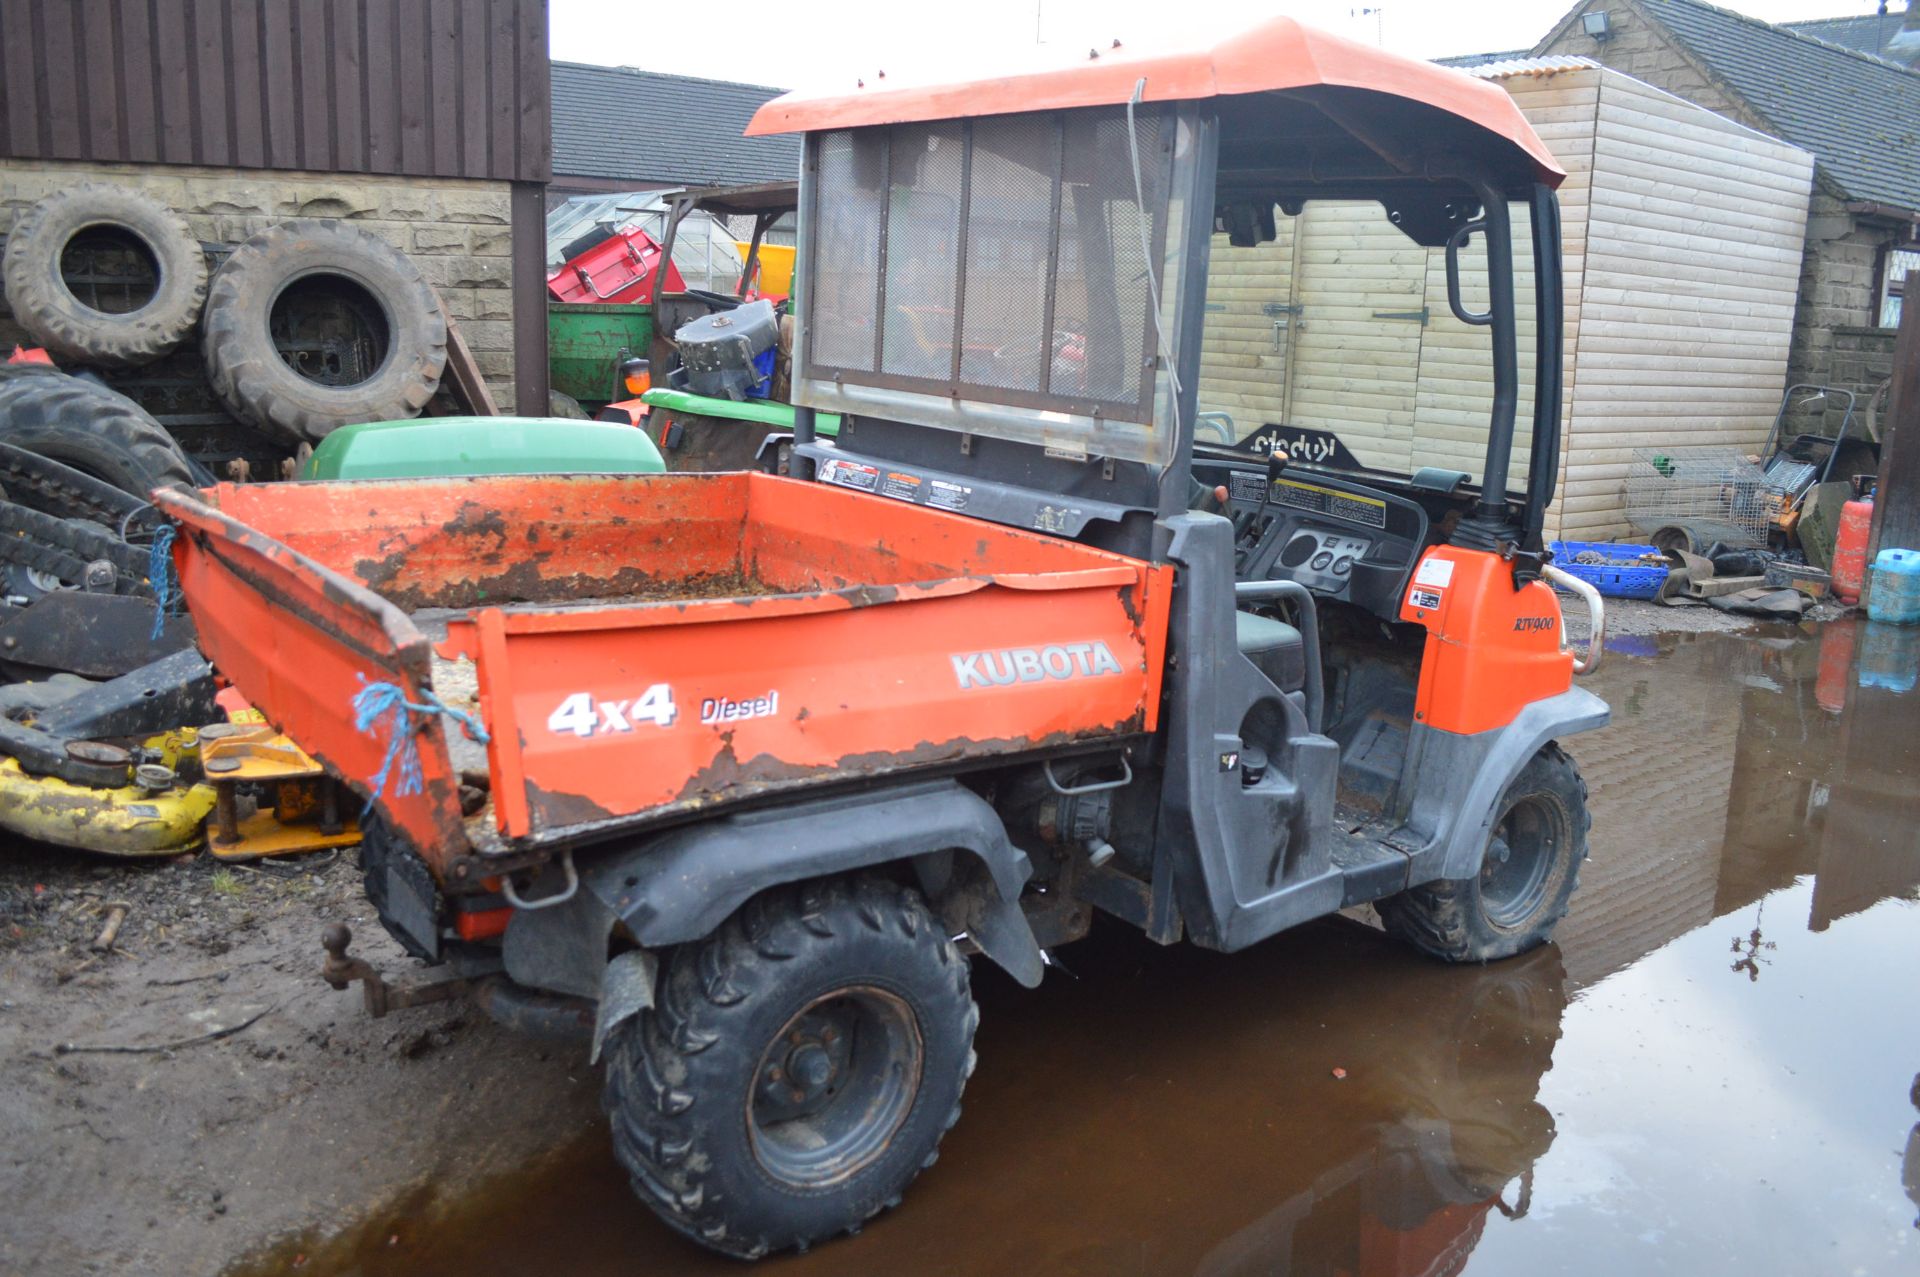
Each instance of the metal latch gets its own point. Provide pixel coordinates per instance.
(1424, 314)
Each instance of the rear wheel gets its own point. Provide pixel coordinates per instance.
(1526, 880)
(799, 1070)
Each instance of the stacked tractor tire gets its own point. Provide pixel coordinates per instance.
(304, 327)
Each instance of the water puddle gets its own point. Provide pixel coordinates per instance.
(1715, 1070)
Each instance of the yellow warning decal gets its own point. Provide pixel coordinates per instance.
(1368, 511)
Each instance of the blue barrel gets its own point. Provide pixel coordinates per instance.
(1895, 595)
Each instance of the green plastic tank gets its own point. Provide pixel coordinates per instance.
(446, 447)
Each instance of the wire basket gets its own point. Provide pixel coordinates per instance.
(1717, 493)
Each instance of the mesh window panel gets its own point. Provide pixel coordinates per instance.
(923, 242)
(1009, 235)
(846, 260)
(1100, 283)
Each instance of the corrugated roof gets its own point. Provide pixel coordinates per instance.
(1522, 66)
(1859, 115)
(1467, 61)
(644, 126)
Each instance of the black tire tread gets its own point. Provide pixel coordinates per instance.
(85, 425)
(1433, 917)
(247, 374)
(50, 317)
(646, 1100)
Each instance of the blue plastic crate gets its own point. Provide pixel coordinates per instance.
(1616, 582)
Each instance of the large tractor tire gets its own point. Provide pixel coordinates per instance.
(799, 1069)
(313, 325)
(1527, 877)
(104, 275)
(83, 424)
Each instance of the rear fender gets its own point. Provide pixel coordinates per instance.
(680, 886)
(1457, 779)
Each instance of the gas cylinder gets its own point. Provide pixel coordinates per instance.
(1850, 549)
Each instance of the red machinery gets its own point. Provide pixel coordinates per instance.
(619, 268)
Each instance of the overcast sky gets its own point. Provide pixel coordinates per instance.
(804, 42)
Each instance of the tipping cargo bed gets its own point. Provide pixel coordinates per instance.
(648, 647)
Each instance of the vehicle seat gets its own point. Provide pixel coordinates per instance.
(1275, 647)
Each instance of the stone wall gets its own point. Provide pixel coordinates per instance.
(458, 232)
(1639, 49)
(1841, 256)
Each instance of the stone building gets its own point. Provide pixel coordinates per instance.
(1858, 113)
(426, 125)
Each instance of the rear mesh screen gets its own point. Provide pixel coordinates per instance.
(998, 259)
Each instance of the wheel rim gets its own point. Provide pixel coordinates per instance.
(110, 270)
(331, 329)
(1520, 860)
(834, 1086)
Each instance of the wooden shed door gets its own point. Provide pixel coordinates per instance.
(1361, 290)
(1245, 347)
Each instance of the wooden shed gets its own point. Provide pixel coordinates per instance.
(1682, 232)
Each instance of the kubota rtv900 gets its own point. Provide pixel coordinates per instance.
(1177, 557)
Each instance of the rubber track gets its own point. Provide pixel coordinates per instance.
(651, 1112)
(80, 543)
(58, 489)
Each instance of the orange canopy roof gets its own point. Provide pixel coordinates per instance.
(1278, 54)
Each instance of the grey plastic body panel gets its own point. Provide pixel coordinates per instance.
(1456, 781)
(1248, 860)
(681, 885)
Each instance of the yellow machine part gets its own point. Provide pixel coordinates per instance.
(111, 822)
(776, 266)
(250, 751)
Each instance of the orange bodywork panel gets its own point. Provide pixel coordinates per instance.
(653, 645)
(1491, 650)
(1277, 54)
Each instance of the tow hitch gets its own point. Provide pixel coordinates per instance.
(532, 1011)
(340, 971)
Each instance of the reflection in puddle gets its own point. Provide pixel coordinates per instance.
(1712, 1071)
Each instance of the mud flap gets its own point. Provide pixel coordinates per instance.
(562, 949)
(626, 989)
(965, 897)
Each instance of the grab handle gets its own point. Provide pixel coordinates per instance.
(1455, 243)
(1596, 614)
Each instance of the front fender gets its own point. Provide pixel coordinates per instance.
(1458, 779)
(681, 885)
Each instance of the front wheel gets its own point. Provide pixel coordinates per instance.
(799, 1069)
(1526, 879)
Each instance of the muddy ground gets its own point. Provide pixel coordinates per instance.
(316, 1139)
(174, 1161)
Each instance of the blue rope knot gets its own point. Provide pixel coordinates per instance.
(160, 573)
(376, 702)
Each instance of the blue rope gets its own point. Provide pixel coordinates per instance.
(386, 701)
(160, 573)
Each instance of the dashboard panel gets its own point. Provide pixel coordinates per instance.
(1340, 539)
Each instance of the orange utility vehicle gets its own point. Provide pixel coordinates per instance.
(747, 766)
